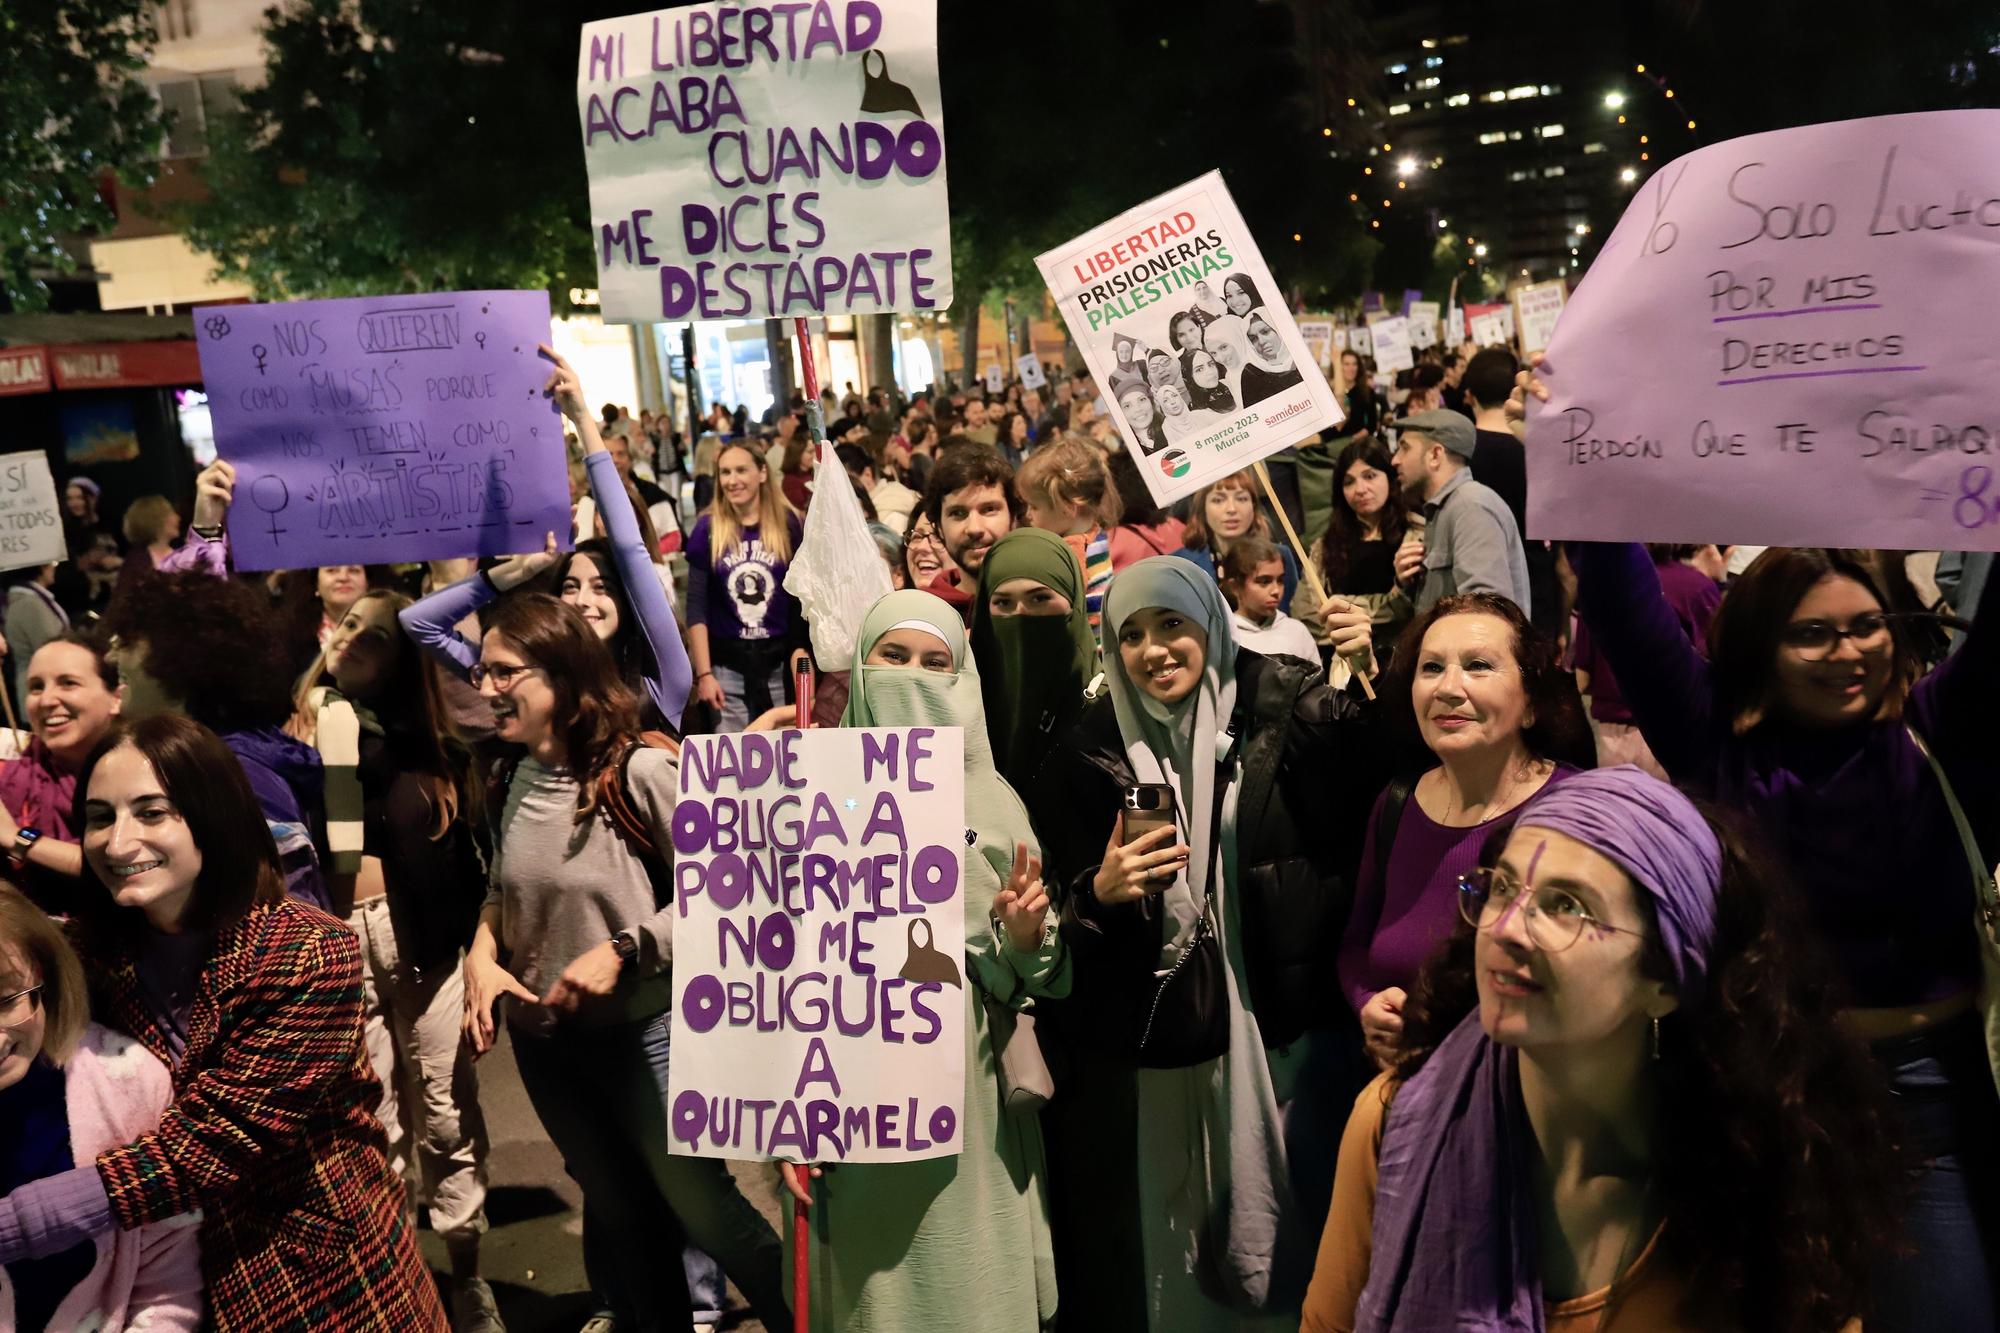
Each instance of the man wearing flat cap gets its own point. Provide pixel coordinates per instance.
(1472, 543)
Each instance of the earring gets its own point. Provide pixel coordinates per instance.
(1656, 1039)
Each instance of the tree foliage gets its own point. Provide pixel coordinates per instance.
(74, 110)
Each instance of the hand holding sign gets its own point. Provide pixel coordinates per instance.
(1023, 905)
(214, 488)
(564, 386)
(515, 570)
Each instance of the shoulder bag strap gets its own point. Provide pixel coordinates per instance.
(1982, 874)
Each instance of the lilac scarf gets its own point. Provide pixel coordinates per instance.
(36, 794)
(1454, 1244)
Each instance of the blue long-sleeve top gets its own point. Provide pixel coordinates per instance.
(1855, 810)
(431, 621)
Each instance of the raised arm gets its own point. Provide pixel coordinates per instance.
(431, 623)
(1952, 708)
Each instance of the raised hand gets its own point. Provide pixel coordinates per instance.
(1023, 905)
(214, 488)
(1526, 382)
(1146, 865)
(564, 386)
(1350, 628)
(515, 570)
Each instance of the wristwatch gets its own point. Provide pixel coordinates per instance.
(23, 840)
(625, 947)
(206, 533)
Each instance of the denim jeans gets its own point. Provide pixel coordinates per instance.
(601, 1094)
(1949, 1115)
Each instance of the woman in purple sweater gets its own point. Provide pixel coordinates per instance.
(1806, 718)
(1492, 702)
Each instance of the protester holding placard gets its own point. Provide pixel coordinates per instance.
(1621, 1103)
(151, 526)
(71, 702)
(1247, 867)
(905, 1231)
(587, 939)
(1220, 514)
(254, 1002)
(1370, 521)
(742, 624)
(373, 707)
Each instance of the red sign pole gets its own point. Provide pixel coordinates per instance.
(801, 1230)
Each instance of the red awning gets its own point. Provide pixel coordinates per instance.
(99, 366)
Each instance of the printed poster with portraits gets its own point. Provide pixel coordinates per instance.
(1180, 321)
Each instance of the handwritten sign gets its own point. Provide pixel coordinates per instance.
(1392, 343)
(1179, 318)
(996, 378)
(31, 531)
(1423, 324)
(1779, 345)
(1029, 367)
(1317, 330)
(380, 429)
(1359, 340)
(760, 161)
(819, 946)
(1488, 330)
(1537, 306)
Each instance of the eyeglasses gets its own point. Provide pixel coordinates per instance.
(502, 675)
(1816, 640)
(18, 1008)
(1555, 917)
(928, 536)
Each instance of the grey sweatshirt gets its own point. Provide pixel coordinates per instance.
(564, 887)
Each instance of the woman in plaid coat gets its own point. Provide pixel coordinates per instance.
(255, 1004)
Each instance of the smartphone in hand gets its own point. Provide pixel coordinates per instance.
(1148, 806)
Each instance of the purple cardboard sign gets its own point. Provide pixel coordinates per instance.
(1786, 341)
(380, 429)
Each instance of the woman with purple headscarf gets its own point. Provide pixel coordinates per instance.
(1616, 1102)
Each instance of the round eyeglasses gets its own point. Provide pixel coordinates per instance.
(1555, 917)
(18, 1008)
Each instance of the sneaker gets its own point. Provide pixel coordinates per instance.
(473, 1309)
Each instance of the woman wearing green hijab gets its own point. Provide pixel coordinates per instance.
(958, 1243)
(1032, 639)
(1227, 1182)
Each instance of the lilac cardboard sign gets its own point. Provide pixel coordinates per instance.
(1785, 342)
(380, 429)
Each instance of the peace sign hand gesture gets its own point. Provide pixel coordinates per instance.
(1023, 905)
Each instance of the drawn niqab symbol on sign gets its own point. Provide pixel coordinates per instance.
(926, 963)
(881, 94)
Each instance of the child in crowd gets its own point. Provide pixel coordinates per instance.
(1253, 579)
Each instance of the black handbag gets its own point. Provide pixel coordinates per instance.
(1188, 1021)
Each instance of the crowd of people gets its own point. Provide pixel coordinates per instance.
(1431, 928)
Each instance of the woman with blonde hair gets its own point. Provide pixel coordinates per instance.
(742, 624)
(151, 526)
(1067, 490)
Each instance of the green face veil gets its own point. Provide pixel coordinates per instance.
(1033, 669)
(909, 696)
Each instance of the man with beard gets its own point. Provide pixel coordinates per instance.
(1470, 542)
(969, 498)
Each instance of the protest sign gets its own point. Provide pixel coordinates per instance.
(1537, 305)
(378, 429)
(996, 378)
(1029, 367)
(766, 161)
(1340, 340)
(819, 945)
(1317, 330)
(1779, 345)
(31, 530)
(1423, 324)
(1392, 344)
(1179, 318)
(1454, 326)
(1487, 330)
(1359, 340)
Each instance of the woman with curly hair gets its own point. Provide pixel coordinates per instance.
(1619, 1105)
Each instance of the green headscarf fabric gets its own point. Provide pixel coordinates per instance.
(884, 696)
(1033, 669)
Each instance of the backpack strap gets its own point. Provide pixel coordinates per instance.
(1387, 821)
(497, 783)
(614, 795)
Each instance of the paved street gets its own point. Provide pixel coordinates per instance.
(534, 1253)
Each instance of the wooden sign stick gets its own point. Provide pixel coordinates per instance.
(1306, 566)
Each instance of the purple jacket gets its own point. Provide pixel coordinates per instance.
(1856, 812)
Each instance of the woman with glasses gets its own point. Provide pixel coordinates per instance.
(1810, 717)
(576, 935)
(70, 1090)
(1617, 1101)
(254, 1002)
(1496, 710)
(927, 566)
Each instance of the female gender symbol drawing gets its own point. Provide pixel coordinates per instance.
(270, 494)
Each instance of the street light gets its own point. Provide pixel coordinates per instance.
(1479, 250)
(1629, 175)
(1406, 166)
(1614, 100)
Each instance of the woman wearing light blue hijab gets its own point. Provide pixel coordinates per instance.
(1233, 1152)
(958, 1243)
